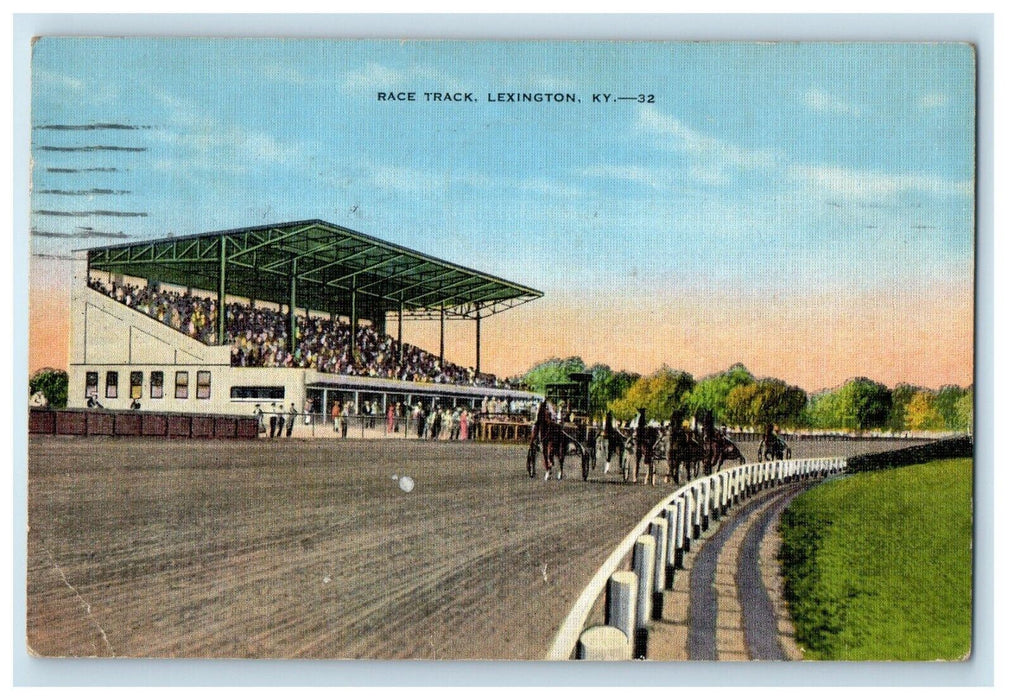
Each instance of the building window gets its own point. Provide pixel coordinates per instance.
(112, 384)
(204, 385)
(182, 381)
(155, 391)
(91, 384)
(136, 384)
(257, 392)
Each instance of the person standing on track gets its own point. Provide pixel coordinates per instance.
(336, 412)
(292, 420)
(273, 420)
(259, 415)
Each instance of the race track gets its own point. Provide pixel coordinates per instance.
(311, 549)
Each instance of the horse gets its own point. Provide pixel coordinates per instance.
(728, 450)
(547, 438)
(614, 440)
(772, 447)
(684, 449)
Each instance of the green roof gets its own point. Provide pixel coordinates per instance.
(326, 261)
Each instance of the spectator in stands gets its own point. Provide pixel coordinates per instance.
(260, 338)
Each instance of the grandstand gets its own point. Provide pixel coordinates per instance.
(295, 312)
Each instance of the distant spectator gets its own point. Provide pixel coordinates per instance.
(260, 417)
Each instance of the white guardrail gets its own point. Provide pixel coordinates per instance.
(658, 543)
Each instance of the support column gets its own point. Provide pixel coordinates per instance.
(221, 292)
(354, 322)
(292, 308)
(441, 336)
(401, 347)
(478, 341)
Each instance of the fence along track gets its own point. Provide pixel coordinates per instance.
(696, 503)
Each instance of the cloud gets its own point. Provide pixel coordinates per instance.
(713, 161)
(42, 76)
(933, 100)
(866, 185)
(416, 181)
(822, 101)
(633, 173)
(375, 76)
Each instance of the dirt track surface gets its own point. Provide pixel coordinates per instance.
(310, 548)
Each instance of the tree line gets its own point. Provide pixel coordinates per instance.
(736, 397)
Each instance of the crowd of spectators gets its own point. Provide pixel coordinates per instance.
(260, 338)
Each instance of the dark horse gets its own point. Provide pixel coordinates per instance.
(645, 438)
(717, 446)
(728, 450)
(772, 446)
(549, 439)
(685, 450)
(614, 440)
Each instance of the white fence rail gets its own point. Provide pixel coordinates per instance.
(658, 543)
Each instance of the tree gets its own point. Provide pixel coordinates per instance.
(552, 371)
(606, 386)
(660, 394)
(711, 393)
(867, 403)
(900, 397)
(824, 410)
(964, 410)
(923, 414)
(52, 383)
(766, 401)
(946, 402)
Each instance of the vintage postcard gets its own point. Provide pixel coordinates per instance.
(514, 350)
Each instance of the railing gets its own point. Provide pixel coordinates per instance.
(656, 546)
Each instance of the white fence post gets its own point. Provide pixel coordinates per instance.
(705, 503)
(682, 541)
(644, 565)
(671, 544)
(621, 605)
(603, 643)
(659, 530)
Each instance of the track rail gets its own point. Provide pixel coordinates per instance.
(702, 499)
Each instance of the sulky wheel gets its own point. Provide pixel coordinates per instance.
(533, 457)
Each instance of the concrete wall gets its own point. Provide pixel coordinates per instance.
(138, 424)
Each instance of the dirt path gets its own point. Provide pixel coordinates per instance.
(727, 605)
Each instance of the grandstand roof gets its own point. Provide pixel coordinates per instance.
(325, 261)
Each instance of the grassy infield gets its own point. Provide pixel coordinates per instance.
(879, 565)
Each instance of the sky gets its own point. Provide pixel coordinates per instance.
(806, 209)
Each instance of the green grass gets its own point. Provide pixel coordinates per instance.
(878, 566)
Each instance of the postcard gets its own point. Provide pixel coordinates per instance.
(513, 350)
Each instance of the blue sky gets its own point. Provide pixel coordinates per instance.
(767, 184)
(848, 163)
